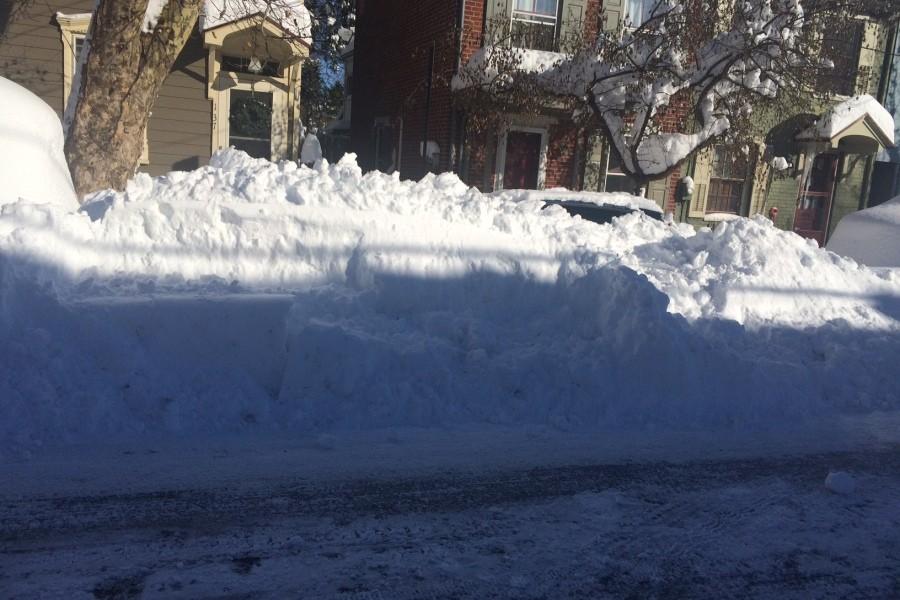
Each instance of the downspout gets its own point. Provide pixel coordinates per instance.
(400, 146)
(453, 158)
(428, 85)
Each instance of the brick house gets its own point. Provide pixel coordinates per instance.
(404, 114)
(235, 83)
(405, 118)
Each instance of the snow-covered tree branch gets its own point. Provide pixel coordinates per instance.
(720, 59)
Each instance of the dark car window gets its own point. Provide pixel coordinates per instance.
(598, 213)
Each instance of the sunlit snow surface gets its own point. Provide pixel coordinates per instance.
(256, 296)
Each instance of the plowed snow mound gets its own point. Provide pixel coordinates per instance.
(252, 295)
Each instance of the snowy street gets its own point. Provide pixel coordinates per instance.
(580, 306)
(762, 527)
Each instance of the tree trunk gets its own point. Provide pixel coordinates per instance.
(120, 81)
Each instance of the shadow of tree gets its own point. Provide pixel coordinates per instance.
(598, 354)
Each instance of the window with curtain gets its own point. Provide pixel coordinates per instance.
(726, 182)
(538, 11)
(534, 24)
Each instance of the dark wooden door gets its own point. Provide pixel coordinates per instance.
(523, 160)
(814, 204)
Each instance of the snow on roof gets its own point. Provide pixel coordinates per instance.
(597, 198)
(289, 14)
(848, 112)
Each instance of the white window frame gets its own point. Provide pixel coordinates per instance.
(533, 17)
(285, 89)
(501, 154)
(229, 81)
(71, 28)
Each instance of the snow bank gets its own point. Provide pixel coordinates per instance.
(870, 236)
(252, 296)
(32, 164)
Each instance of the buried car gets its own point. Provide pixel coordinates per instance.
(870, 236)
(597, 207)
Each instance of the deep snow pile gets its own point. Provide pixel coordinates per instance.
(249, 295)
(871, 236)
(32, 164)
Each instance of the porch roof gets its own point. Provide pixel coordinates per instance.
(858, 125)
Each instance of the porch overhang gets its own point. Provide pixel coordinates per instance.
(258, 35)
(856, 126)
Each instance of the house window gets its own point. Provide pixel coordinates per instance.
(534, 24)
(616, 179)
(637, 12)
(536, 11)
(842, 50)
(77, 47)
(252, 66)
(250, 122)
(726, 181)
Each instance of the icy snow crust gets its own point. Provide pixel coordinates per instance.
(252, 296)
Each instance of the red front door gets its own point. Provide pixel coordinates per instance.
(814, 205)
(523, 160)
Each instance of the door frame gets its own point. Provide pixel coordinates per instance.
(500, 165)
(804, 187)
(228, 81)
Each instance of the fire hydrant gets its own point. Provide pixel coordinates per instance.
(773, 213)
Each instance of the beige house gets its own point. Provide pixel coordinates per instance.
(235, 83)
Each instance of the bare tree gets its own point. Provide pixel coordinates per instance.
(719, 59)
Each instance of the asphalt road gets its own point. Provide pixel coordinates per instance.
(749, 528)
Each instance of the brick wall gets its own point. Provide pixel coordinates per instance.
(398, 45)
(396, 40)
(562, 157)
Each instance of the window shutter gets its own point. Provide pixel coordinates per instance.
(657, 190)
(702, 169)
(613, 11)
(572, 28)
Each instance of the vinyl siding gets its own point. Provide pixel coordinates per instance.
(180, 131)
(31, 52)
